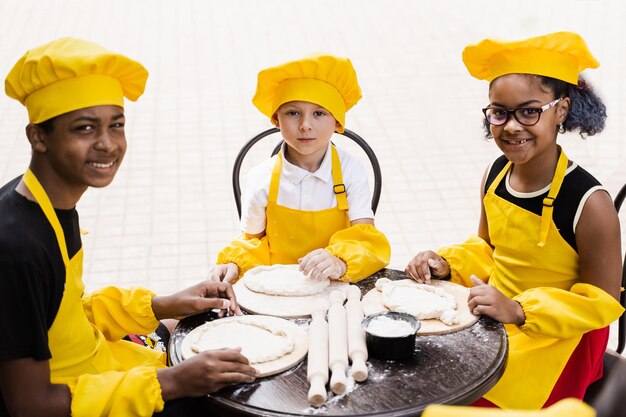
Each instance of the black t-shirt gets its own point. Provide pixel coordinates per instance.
(576, 184)
(32, 274)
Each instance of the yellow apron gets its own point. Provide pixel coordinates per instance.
(547, 261)
(293, 233)
(79, 348)
(290, 234)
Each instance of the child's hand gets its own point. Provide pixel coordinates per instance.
(320, 264)
(426, 265)
(202, 297)
(225, 272)
(486, 299)
(205, 373)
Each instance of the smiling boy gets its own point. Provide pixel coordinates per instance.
(63, 352)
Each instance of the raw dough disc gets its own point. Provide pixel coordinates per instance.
(272, 367)
(373, 303)
(259, 342)
(281, 306)
(420, 300)
(284, 280)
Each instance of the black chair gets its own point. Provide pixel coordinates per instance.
(378, 180)
(621, 325)
(610, 401)
(613, 360)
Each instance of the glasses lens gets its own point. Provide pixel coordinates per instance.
(527, 116)
(496, 116)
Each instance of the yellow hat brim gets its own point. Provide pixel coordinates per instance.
(310, 90)
(86, 91)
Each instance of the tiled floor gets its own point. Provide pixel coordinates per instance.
(171, 208)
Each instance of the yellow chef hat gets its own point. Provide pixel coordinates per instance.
(70, 74)
(560, 55)
(326, 80)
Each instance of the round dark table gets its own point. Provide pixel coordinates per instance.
(456, 368)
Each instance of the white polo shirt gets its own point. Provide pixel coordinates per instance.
(303, 190)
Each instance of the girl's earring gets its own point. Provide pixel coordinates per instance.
(561, 128)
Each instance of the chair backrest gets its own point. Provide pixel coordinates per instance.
(621, 325)
(378, 180)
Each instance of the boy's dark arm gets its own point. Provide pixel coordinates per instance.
(27, 391)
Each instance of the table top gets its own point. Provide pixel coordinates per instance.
(455, 368)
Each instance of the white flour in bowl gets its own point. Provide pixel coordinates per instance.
(387, 327)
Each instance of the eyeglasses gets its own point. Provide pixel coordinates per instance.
(527, 116)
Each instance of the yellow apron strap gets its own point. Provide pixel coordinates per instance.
(33, 185)
(272, 195)
(548, 202)
(496, 181)
(338, 186)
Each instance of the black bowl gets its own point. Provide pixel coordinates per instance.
(391, 346)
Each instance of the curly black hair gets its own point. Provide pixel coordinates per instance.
(587, 112)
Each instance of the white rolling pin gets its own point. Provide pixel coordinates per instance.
(337, 343)
(357, 349)
(317, 362)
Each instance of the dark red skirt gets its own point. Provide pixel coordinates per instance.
(583, 368)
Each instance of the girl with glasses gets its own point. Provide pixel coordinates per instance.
(546, 261)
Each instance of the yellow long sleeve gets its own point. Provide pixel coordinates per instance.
(246, 253)
(552, 312)
(363, 248)
(118, 312)
(472, 257)
(133, 393)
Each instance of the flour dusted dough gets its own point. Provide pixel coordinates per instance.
(259, 341)
(285, 280)
(420, 300)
